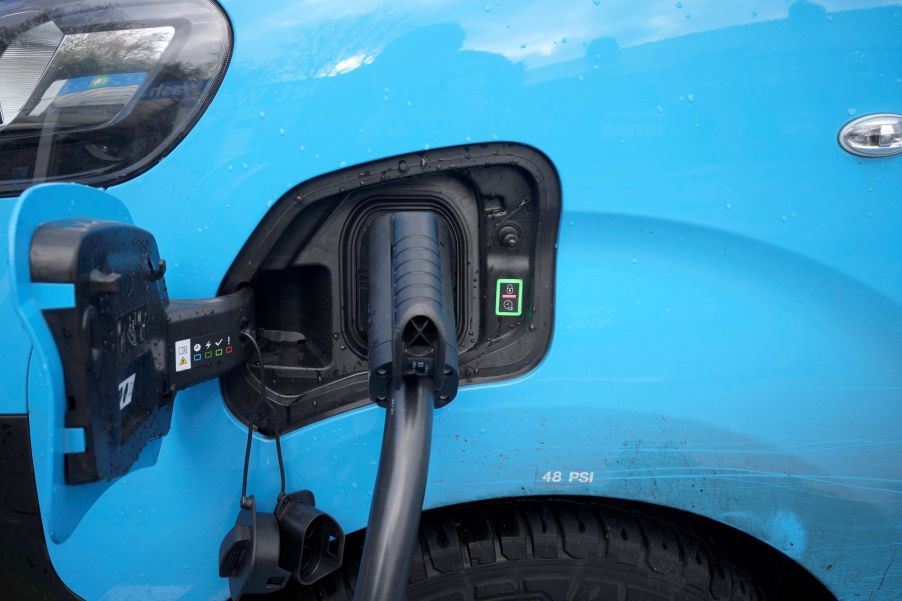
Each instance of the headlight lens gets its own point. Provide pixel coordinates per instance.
(97, 91)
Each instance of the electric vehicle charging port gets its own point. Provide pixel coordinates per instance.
(308, 265)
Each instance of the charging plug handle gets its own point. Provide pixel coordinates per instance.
(413, 369)
(411, 312)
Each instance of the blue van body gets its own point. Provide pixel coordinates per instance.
(728, 333)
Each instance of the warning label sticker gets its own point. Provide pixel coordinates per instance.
(183, 355)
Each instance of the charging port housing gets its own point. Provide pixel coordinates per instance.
(307, 263)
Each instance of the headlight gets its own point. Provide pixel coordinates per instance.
(97, 91)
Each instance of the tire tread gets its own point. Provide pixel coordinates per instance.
(457, 543)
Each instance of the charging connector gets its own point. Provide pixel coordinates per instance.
(413, 369)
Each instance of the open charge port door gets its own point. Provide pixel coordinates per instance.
(308, 263)
(124, 348)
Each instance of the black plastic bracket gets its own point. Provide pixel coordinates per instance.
(125, 347)
(212, 328)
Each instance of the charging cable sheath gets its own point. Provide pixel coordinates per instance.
(398, 496)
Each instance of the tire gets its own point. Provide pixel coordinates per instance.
(557, 550)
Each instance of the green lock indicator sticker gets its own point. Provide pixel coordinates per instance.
(509, 298)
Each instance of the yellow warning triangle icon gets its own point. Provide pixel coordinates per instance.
(183, 361)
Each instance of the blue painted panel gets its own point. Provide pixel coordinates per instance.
(16, 349)
(729, 330)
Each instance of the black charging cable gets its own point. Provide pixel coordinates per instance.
(251, 427)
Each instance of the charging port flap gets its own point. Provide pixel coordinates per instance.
(112, 343)
(124, 348)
